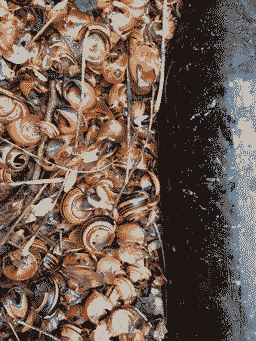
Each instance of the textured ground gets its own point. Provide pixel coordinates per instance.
(207, 134)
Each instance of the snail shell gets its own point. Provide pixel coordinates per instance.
(145, 64)
(100, 332)
(74, 206)
(122, 20)
(96, 306)
(5, 176)
(125, 290)
(120, 321)
(118, 97)
(13, 158)
(137, 274)
(98, 234)
(130, 233)
(70, 332)
(67, 121)
(25, 131)
(51, 261)
(114, 72)
(96, 45)
(22, 126)
(108, 264)
(135, 206)
(46, 296)
(79, 260)
(72, 93)
(19, 267)
(13, 309)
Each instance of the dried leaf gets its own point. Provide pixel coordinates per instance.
(43, 207)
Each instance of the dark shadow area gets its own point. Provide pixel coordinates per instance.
(194, 140)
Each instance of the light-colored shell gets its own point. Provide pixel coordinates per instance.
(96, 44)
(13, 158)
(131, 255)
(108, 264)
(122, 20)
(101, 332)
(126, 290)
(130, 233)
(120, 321)
(72, 93)
(70, 332)
(96, 306)
(137, 274)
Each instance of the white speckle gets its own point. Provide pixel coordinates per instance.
(238, 282)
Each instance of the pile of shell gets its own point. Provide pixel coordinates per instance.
(80, 85)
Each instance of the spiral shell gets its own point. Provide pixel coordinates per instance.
(46, 296)
(74, 206)
(13, 158)
(98, 233)
(15, 310)
(135, 206)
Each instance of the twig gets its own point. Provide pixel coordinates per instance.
(37, 182)
(50, 108)
(82, 95)
(128, 124)
(14, 332)
(39, 330)
(161, 82)
(18, 98)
